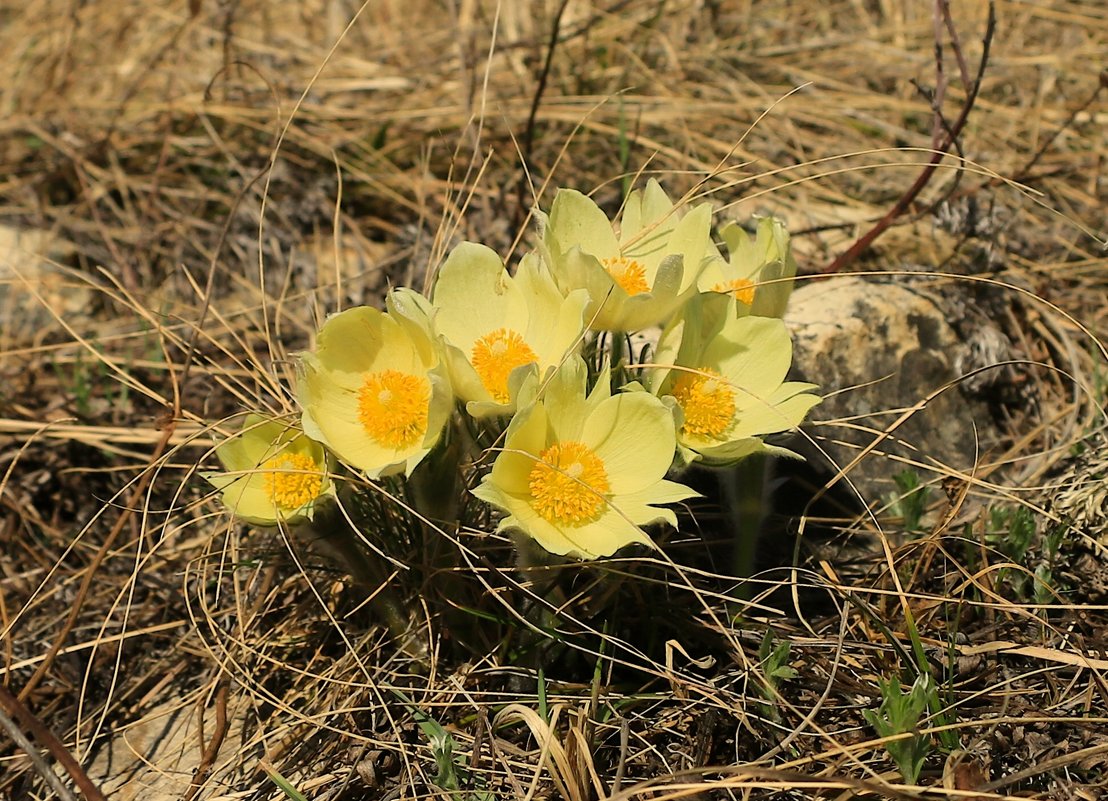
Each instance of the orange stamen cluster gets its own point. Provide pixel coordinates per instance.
(630, 274)
(706, 400)
(568, 484)
(392, 408)
(740, 289)
(495, 355)
(291, 480)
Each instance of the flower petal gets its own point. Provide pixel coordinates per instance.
(604, 537)
(659, 492)
(363, 339)
(753, 353)
(649, 208)
(249, 502)
(474, 295)
(783, 410)
(575, 219)
(527, 437)
(555, 323)
(633, 435)
(411, 312)
(729, 452)
(564, 399)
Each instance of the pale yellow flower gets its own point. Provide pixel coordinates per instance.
(582, 474)
(758, 272)
(500, 328)
(375, 391)
(726, 379)
(639, 277)
(274, 474)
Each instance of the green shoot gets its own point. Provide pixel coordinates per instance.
(1011, 530)
(909, 502)
(898, 715)
(774, 662)
(544, 711)
(450, 772)
(284, 784)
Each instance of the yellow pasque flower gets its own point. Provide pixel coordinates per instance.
(638, 278)
(375, 391)
(497, 328)
(726, 380)
(758, 272)
(581, 474)
(274, 473)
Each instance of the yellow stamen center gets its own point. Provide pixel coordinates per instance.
(630, 274)
(291, 480)
(495, 355)
(707, 402)
(568, 484)
(740, 289)
(392, 408)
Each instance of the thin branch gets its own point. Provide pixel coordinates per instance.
(528, 142)
(211, 750)
(13, 710)
(863, 243)
(938, 97)
(943, 7)
(1025, 172)
(42, 767)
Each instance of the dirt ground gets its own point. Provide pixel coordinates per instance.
(189, 188)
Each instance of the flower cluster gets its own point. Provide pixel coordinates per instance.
(534, 359)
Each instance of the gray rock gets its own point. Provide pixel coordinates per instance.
(888, 360)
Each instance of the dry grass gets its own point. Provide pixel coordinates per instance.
(185, 272)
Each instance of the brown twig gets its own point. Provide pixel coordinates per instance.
(135, 502)
(14, 710)
(527, 145)
(1025, 172)
(41, 765)
(847, 257)
(211, 750)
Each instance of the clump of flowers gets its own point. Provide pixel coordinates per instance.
(519, 384)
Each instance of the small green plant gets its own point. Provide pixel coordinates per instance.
(1045, 581)
(1011, 530)
(909, 502)
(447, 776)
(83, 381)
(77, 383)
(899, 714)
(451, 773)
(774, 662)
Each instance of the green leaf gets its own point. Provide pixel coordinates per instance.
(284, 784)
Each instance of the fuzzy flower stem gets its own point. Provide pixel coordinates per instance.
(618, 351)
(536, 568)
(331, 535)
(743, 490)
